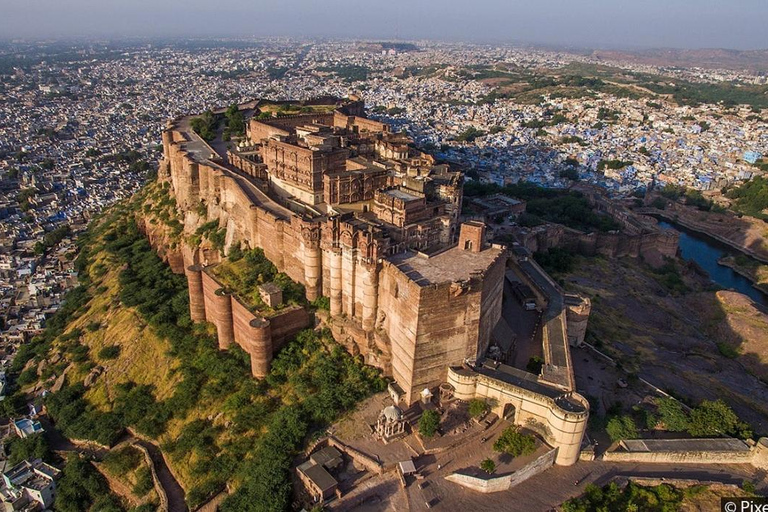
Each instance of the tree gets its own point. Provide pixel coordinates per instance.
(621, 427)
(82, 487)
(30, 447)
(429, 423)
(470, 134)
(488, 466)
(235, 120)
(715, 418)
(672, 414)
(513, 442)
(477, 407)
(109, 352)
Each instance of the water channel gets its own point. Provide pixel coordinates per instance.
(705, 252)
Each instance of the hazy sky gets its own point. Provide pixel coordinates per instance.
(741, 24)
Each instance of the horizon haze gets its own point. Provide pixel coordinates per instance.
(685, 24)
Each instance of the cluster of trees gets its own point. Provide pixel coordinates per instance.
(606, 114)
(52, 238)
(210, 230)
(23, 198)
(696, 198)
(571, 173)
(513, 442)
(572, 210)
(31, 447)
(348, 73)
(573, 139)
(470, 134)
(668, 275)
(692, 198)
(539, 123)
(247, 270)
(127, 460)
(235, 122)
(81, 487)
(708, 419)
(477, 408)
(632, 497)
(690, 93)
(556, 261)
(323, 380)
(613, 164)
(122, 461)
(751, 198)
(205, 125)
(521, 190)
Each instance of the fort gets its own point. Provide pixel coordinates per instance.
(354, 213)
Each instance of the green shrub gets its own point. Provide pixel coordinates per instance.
(144, 482)
(515, 443)
(488, 466)
(632, 497)
(621, 427)
(81, 487)
(429, 423)
(27, 377)
(535, 364)
(323, 303)
(477, 407)
(122, 461)
(727, 350)
(672, 414)
(716, 418)
(110, 352)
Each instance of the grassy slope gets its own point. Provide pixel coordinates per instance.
(228, 423)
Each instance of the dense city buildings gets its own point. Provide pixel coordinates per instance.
(372, 253)
(82, 128)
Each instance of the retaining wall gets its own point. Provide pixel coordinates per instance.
(506, 482)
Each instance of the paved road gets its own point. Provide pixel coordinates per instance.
(548, 490)
(524, 324)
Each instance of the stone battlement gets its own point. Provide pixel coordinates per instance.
(260, 337)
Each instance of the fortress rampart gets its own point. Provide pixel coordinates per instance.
(560, 418)
(260, 337)
(690, 451)
(651, 246)
(413, 325)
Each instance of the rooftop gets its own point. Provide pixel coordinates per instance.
(401, 194)
(319, 476)
(685, 445)
(451, 265)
